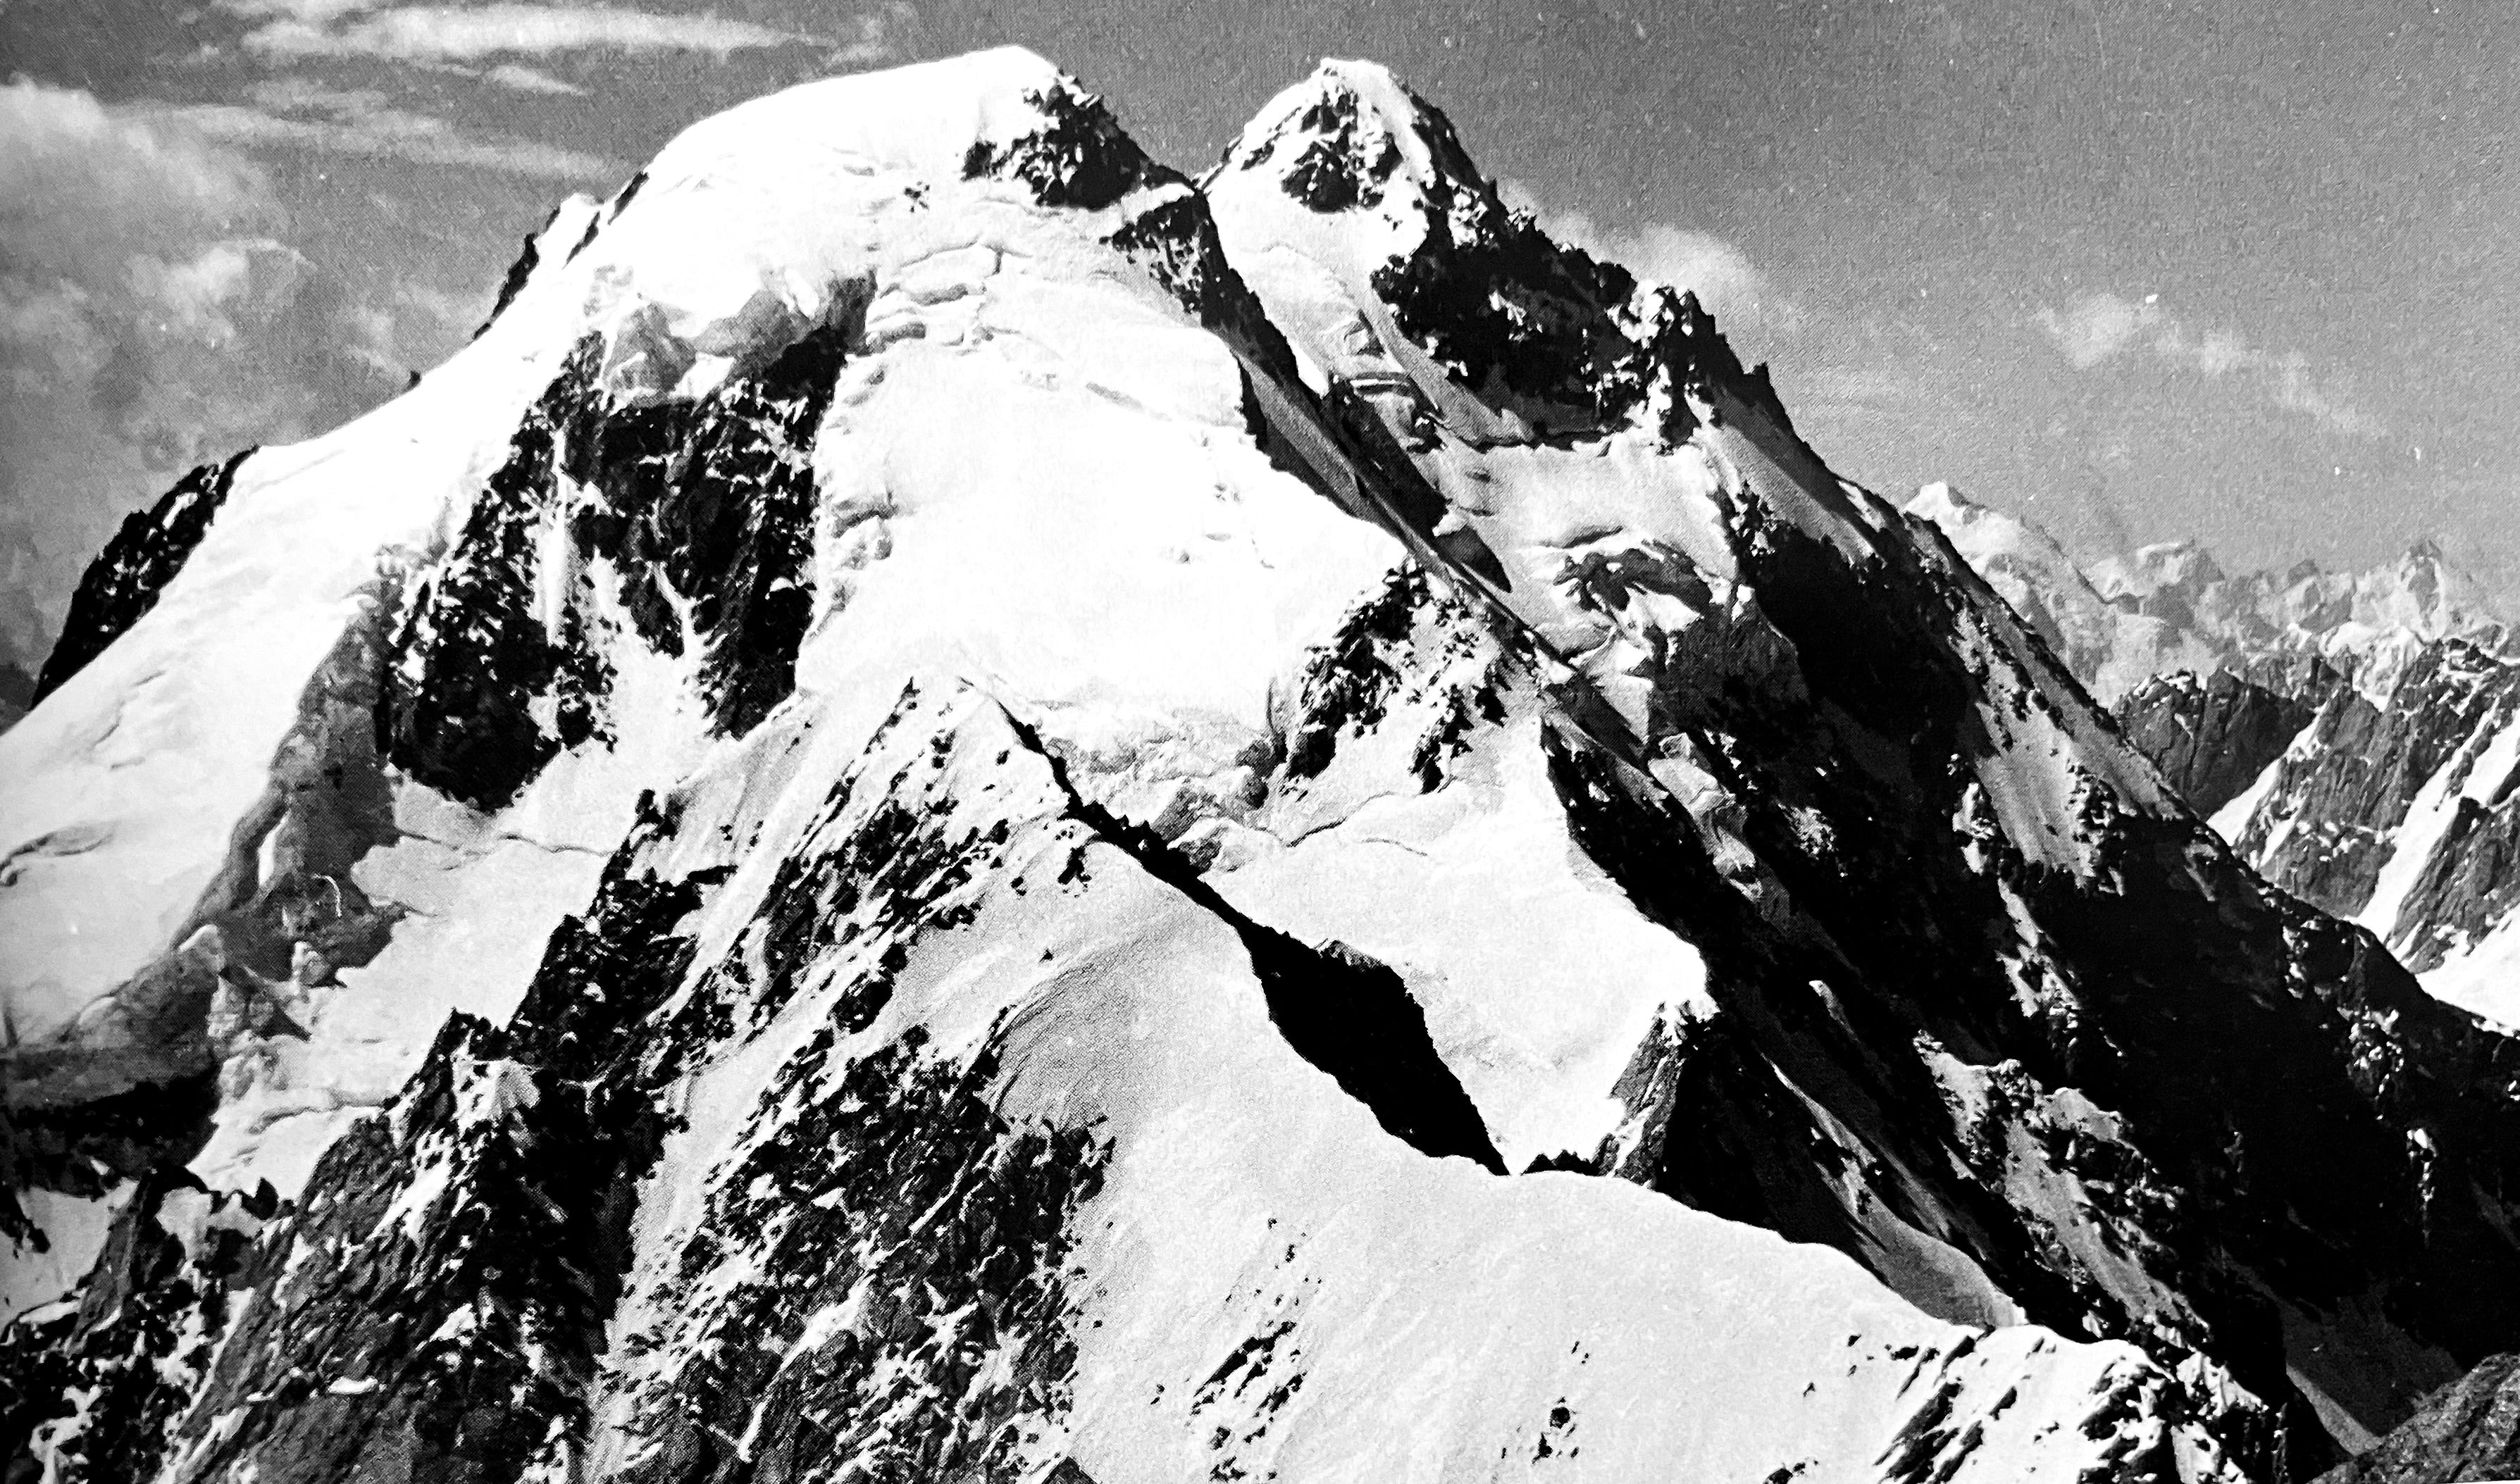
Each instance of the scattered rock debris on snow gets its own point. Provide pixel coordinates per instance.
(958, 808)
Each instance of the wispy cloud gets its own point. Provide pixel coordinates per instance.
(62, 144)
(360, 121)
(2100, 327)
(880, 34)
(308, 11)
(414, 330)
(517, 77)
(1718, 272)
(460, 39)
(467, 33)
(1723, 277)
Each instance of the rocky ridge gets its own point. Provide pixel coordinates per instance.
(2468, 1431)
(2346, 732)
(838, 990)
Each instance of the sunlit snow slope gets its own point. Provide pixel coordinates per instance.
(2401, 814)
(960, 809)
(1957, 964)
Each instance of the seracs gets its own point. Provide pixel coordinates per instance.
(961, 808)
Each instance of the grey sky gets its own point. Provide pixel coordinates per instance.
(2241, 270)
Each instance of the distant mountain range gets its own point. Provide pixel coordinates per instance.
(2357, 735)
(959, 808)
(2170, 607)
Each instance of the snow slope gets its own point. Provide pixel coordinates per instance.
(1014, 1167)
(1809, 703)
(2382, 800)
(2110, 648)
(988, 814)
(2401, 814)
(977, 307)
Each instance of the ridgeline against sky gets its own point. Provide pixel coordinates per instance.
(955, 808)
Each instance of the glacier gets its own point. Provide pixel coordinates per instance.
(960, 807)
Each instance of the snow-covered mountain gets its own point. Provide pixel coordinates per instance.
(958, 808)
(2170, 608)
(2402, 815)
(2356, 735)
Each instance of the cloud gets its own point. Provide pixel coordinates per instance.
(309, 11)
(2294, 388)
(416, 331)
(152, 316)
(1718, 272)
(190, 297)
(361, 121)
(2099, 327)
(878, 35)
(517, 77)
(1740, 296)
(120, 179)
(467, 33)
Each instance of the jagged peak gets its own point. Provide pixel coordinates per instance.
(1370, 183)
(1719, 743)
(1373, 182)
(1336, 139)
(1076, 155)
(2184, 564)
(2425, 548)
(2446, 596)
